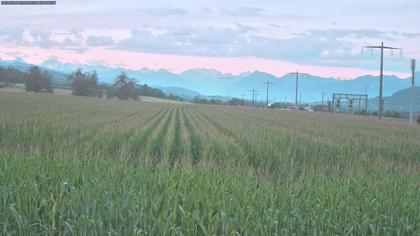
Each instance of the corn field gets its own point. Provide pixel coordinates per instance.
(83, 166)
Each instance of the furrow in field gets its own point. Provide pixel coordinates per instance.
(157, 143)
(252, 155)
(196, 145)
(139, 141)
(27, 137)
(271, 152)
(320, 140)
(219, 148)
(97, 129)
(176, 145)
(114, 140)
(185, 155)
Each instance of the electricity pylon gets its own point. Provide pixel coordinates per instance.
(382, 47)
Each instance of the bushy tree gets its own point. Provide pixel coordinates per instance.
(11, 75)
(124, 88)
(145, 90)
(38, 81)
(84, 83)
(212, 101)
(393, 114)
(175, 97)
(235, 102)
(200, 100)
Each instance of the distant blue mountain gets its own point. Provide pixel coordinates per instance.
(312, 87)
(207, 82)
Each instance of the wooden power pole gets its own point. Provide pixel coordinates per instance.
(413, 75)
(296, 89)
(268, 83)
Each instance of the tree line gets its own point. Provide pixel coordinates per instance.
(35, 80)
(11, 75)
(83, 84)
(123, 87)
(214, 101)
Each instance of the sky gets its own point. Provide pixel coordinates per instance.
(313, 36)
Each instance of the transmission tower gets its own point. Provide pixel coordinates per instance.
(382, 47)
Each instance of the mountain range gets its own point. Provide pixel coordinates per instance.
(207, 82)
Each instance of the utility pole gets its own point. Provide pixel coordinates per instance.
(382, 47)
(413, 71)
(268, 83)
(300, 99)
(253, 95)
(323, 98)
(297, 88)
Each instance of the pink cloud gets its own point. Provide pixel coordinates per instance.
(178, 64)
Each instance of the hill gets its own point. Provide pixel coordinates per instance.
(400, 101)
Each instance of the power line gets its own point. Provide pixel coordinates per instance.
(382, 47)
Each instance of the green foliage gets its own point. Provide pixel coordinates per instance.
(84, 83)
(235, 102)
(282, 105)
(145, 90)
(212, 101)
(38, 81)
(393, 114)
(81, 166)
(11, 75)
(124, 88)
